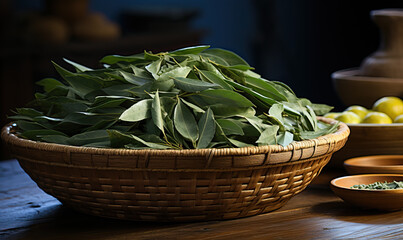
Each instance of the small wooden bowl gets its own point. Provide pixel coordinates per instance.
(370, 139)
(392, 164)
(385, 200)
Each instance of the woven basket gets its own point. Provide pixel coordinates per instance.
(174, 185)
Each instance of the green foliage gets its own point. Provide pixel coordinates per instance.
(193, 97)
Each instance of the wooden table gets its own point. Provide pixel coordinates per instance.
(26, 212)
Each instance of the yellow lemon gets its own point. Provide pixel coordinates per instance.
(359, 110)
(348, 117)
(331, 115)
(398, 119)
(392, 106)
(377, 117)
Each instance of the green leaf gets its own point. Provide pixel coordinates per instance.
(230, 57)
(113, 59)
(230, 127)
(131, 78)
(173, 134)
(103, 144)
(268, 136)
(167, 105)
(88, 137)
(326, 129)
(190, 50)
(109, 101)
(59, 139)
(310, 122)
(39, 118)
(178, 72)
(28, 125)
(119, 90)
(104, 124)
(154, 68)
(86, 118)
(231, 98)
(265, 88)
(239, 144)
(233, 74)
(276, 111)
(220, 135)
(77, 66)
(193, 106)
(312, 118)
(37, 134)
(20, 117)
(156, 112)
(108, 111)
(61, 91)
(49, 84)
(285, 91)
(206, 128)
(214, 78)
(223, 110)
(210, 58)
(285, 138)
(119, 140)
(83, 84)
(151, 56)
(265, 99)
(191, 85)
(208, 66)
(241, 67)
(138, 111)
(321, 109)
(256, 122)
(29, 112)
(284, 86)
(61, 106)
(141, 72)
(149, 144)
(164, 85)
(185, 122)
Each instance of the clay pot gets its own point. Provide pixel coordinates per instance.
(48, 30)
(95, 27)
(70, 11)
(387, 61)
(381, 73)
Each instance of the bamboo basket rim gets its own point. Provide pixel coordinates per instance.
(342, 132)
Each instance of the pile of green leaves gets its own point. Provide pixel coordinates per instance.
(380, 185)
(194, 97)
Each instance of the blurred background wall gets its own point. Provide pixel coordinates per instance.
(297, 42)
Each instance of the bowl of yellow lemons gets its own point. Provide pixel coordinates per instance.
(374, 131)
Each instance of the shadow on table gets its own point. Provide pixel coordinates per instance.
(343, 211)
(65, 223)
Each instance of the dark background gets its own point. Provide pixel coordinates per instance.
(297, 42)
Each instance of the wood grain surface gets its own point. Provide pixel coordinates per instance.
(26, 212)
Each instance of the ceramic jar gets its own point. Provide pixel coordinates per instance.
(387, 61)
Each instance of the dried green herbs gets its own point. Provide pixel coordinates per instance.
(194, 97)
(380, 186)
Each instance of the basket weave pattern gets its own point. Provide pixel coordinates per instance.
(174, 185)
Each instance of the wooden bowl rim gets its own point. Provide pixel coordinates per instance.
(373, 125)
(354, 74)
(358, 161)
(393, 191)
